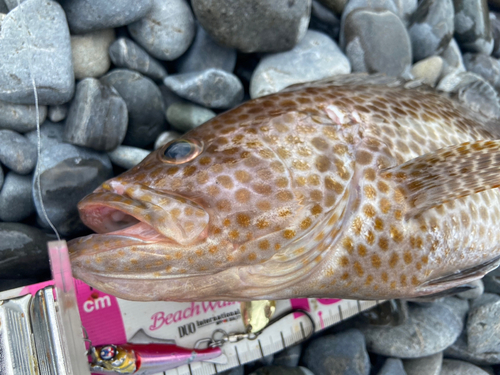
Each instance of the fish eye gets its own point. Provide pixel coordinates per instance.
(181, 151)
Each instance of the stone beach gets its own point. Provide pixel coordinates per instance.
(117, 79)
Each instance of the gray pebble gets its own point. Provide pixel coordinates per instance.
(127, 54)
(205, 53)
(166, 137)
(84, 16)
(166, 31)
(483, 324)
(452, 59)
(484, 66)
(67, 174)
(472, 26)
(240, 370)
(288, 357)
(16, 152)
(50, 135)
(255, 26)
(23, 251)
(186, 116)
(169, 97)
(392, 366)
(428, 70)
(317, 56)
(16, 202)
(90, 53)
(281, 370)
(97, 116)
(376, 41)
(127, 157)
(340, 354)
(495, 30)
(488, 369)
(57, 113)
(146, 118)
(431, 28)
(3, 7)
(336, 6)
(20, 117)
(211, 88)
(460, 350)
(473, 293)
(491, 283)
(50, 55)
(454, 367)
(430, 365)
(429, 330)
(1, 176)
(323, 20)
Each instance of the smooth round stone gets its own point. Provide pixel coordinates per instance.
(205, 53)
(254, 26)
(20, 117)
(23, 251)
(474, 293)
(57, 113)
(392, 366)
(127, 157)
(460, 350)
(84, 16)
(483, 328)
(323, 20)
(97, 116)
(454, 367)
(429, 330)
(316, 57)
(16, 152)
(50, 135)
(430, 365)
(166, 31)
(186, 116)
(484, 66)
(144, 101)
(49, 57)
(67, 174)
(452, 59)
(282, 370)
(127, 54)
(428, 70)
(336, 6)
(377, 42)
(16, 202)
(289, 357)
(431, 28)
(472, 26)
(90, 53)
(495, 30)
(166, 137)
(211, 88)
(3, 7)
(340, 354)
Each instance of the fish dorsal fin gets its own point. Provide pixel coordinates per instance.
(447, 174)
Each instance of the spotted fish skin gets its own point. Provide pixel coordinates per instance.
(328, 189)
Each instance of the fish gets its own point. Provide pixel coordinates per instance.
(357, 186)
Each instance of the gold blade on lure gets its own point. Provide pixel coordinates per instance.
(257, 314)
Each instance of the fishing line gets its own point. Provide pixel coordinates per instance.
(37, 114)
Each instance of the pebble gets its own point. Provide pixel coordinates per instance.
(254, 26)
(166, 137)
(452, 59)
(428, 70)
(16, 201)
(289, 357)
(213, 88)
(316, 57)
(57, 113)
(430, 365)
(323, 20)
(495, 30)
(1, 176)
(459, 350)
(127, 157)
(85, 16)
(125, 53)
(16, 152)
(20, 117)
(341, 354)
(186, 116)
(166, 31)
(431, 28)
(392, 366)
(429, 330)
(492, 282)
(474, 293)
(205, 53)
(282, 370)
(336, 6)
(146, 119)
(90, 53)
(23, 251)
(50, 135)
(52, 68)
(97, 117)
(454, 367)
(483, 328)
(484, 66)
(67, 174)
(376, 41)
(472, 26)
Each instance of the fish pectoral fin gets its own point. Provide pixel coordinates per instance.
(447, 174)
